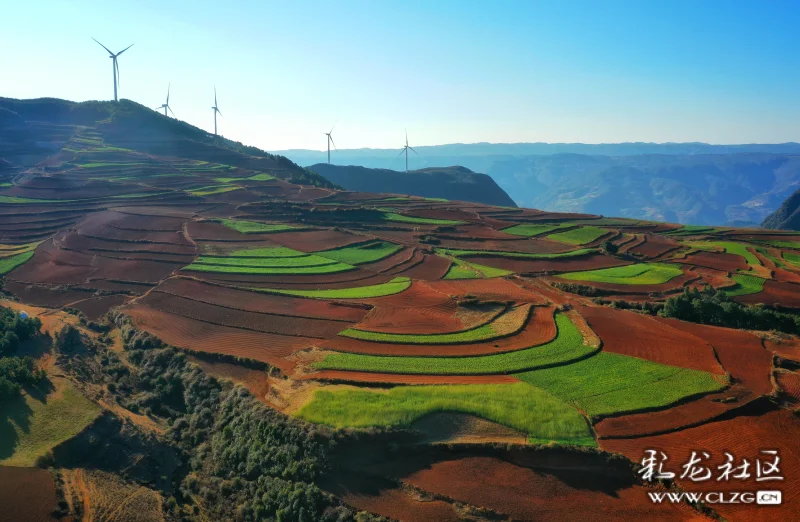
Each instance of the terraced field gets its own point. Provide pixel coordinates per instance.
(527, 332)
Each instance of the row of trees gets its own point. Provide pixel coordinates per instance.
(16, 372)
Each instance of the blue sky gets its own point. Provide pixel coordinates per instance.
(449, 71)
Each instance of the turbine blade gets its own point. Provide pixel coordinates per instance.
(170, 110)
(330, 138)
(331, 132)
(122, 51)
(168, 86)
(402, 151)
(103, 46)
(415, 152)
(220, 112)
(215, 96)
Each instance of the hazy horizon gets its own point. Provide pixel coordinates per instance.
(448, 72)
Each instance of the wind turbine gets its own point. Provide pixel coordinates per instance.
(406, 149)
(116, 66)
(330, 140)
(216, 110)
(166, 104)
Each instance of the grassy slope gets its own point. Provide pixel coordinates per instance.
(400, 218)
(567, 346)
(745, 285)
(611, 383)
(29, 428)
(395, 286)
(739, 249)
(7, 264)
(253, 227)
(639, 274)
(578, 236)
(519, 406)
(360, 254)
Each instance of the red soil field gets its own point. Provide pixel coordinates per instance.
(45, 296)
(82, 243)
(488, 290)
(740, 353)
(444, 213)
(591, 261)
(709, 276)
(717, 260)
(262, 303)
(95, 307)
(541, 493)
(682, 280)
(54, 265)
(775, 293)
(788, 348)
(789, 383)
(675, 418)
(400, 257)
(257, 381)
(212, 231)
(758, 426)
(172, 237)
(655, 246)
(347, 279)
(251, 321)
(417, 257)
(136, 270)
(637, 335)
(27, 494)
(194, 335)
(419, 309)
(148, 222)
(432, 268)
(539, 329)
(398, 378)
(481, 230)
(529, 246)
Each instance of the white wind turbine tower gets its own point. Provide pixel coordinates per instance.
(216, 110)
(406, 149)
(330, 140)
(116, 66)
(166, 104)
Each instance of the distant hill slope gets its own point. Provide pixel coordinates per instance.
(31, 130)
(787, 217)
(685, 183)
(456, 183)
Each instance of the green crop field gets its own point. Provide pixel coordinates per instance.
(520, 406)
(505, 324)
(783, 244)
(638, 274)
(270, 252)
(17, 200)
(610, 383)
(400, 218)
(360, 254)
(257, 177)
(567, 346)
(746, 284)
(531, 230)
(578, 236)
(461, 269)
(7, 264)
(254, 227)
(778, 261)
(791, 258)
(739, 249)
(209, 191)
(32, 427)
(395, 286)
(302, 270)
(514, 255)
(690, 230)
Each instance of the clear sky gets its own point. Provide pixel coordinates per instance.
(459, 71)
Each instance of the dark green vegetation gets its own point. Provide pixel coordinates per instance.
(567, 346)
(363, 253)
(277, 260)
(531, 230)
(525, 408)
(579, 236)
(710, 306)
(14, 328)
(16, 372)
(609, 383)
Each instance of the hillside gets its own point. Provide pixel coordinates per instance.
(456, 183)
(215, 333)
(684, 183)
(787, 217)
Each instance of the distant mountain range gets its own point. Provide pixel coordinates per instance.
(456, 183)
(689, 183)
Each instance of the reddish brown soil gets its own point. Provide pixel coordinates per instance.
(541, 494)
(27, 494)
(257, 381)
(195, 335)
(677, 417)
(397, 378)
(789, 383)
(241, 319)
(316, 240)
(95, 307)
(717, 260)
(539, 330)
(709, 276)
(262, 303)
(759, 426)
(775, 293)
(530, 246)
(787, 348)
(431, 268)
(564, 264)
(45, 296)
(387, 263)
(642, 336)
(740, 353)
(347, 279)
(655, 246)
(488, 290)
(136, 270)
(419, 309)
